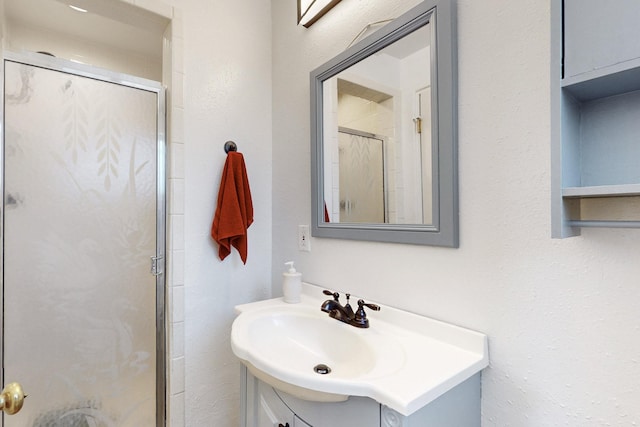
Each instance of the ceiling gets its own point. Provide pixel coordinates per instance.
(115, 24)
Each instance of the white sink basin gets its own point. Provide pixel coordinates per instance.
(298, 339)
(402, 360)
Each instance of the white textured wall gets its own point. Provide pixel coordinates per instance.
(227, 96)
(562, 315)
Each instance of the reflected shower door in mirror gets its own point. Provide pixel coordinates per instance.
(386, 102)
(383, 134)
(362, 177)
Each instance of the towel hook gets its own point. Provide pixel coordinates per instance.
(230, 146)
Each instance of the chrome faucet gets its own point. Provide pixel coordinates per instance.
(345, 313)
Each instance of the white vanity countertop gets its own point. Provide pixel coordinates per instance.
(416, 360)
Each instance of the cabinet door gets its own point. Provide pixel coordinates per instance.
(264, 407)
(356, 411)
(297, 422)
(599, 34)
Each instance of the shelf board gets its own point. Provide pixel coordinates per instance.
(623, 190)
(604, 82)
(603, 224)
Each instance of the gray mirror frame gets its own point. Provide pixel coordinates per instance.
(444, 231)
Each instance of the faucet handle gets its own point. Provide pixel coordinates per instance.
(360, 319)
(334, 294)
(373, 307)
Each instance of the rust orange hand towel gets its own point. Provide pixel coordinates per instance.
(234, 213)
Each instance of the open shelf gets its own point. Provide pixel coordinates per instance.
(595, 116)
(603, 224)
(604, 82)
(600, 145)
(624, 190)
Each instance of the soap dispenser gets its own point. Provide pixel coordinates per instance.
(291, 284)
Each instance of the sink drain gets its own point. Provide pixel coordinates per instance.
(321, 369)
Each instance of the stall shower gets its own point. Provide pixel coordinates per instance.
(83, 244)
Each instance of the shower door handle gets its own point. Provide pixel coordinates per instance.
(12, 398)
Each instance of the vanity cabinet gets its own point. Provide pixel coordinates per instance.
(264, 406)
(266, 409)
(595, 105)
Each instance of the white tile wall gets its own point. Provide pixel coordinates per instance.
(176, 159)
(177, 376)
(177, 124)
(176, 196)
(176, 414)
(176, 337)
(176, 232)
(173, 75)
(177, 304)
(177, 273)
(178, 92)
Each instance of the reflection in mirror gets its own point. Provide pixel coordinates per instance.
(384, 134)
(361, 177)
(377, 131)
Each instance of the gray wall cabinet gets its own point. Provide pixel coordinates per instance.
(264, 406)
(595, 106)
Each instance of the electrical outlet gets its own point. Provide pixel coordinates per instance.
(304, 238)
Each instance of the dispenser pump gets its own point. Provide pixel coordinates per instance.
(291, 269)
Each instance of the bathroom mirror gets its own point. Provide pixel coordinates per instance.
(383, 134)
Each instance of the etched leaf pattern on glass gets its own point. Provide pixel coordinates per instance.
(75, 107)
(108, 134)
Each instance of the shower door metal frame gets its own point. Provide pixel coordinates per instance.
(108, 76)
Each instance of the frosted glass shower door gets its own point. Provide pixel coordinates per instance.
(361, 178)
(80, 211)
